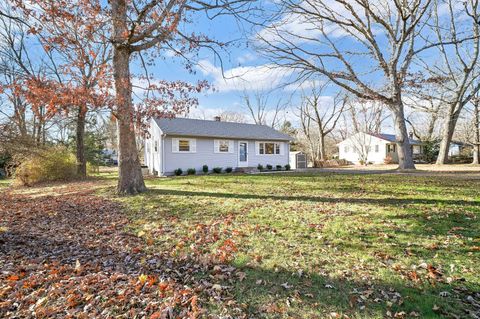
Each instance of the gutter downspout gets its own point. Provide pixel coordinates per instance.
(162, 137)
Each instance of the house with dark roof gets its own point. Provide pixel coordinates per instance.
(190, 143)
(458, 148)
(374, 148)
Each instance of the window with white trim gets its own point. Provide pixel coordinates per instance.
(156, 146)
(377, 148)
(346, 149)
(183, 145)
(268, 148)
(391, 148)
(223, 146)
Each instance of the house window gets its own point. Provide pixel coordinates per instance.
(156, 146)
(346, 149)
(268, 148)
(223, 146)
(391, 148)
(377, 148)
(183, 145)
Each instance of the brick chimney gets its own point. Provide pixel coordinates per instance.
(217, 118)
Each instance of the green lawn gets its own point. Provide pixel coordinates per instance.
(5, 182)
(313, 246)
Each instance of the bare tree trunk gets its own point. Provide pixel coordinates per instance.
(448, 129)
(447, 134)
(322, 147)
(431, 127)
(130, 179)
(476, 145)
(80, 142)
(130, 174)
(38, 132)
(405, 158)
(476, 154)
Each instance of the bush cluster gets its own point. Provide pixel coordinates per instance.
(193, 171)
(51, 164)
(277, 167)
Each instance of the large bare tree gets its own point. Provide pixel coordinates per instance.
(319, 115)
(476, 130)
(365, 47)
(456, 29)
(262, 110)
(425, 106)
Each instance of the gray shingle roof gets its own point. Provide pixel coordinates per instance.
(392, 138)
(205, 128)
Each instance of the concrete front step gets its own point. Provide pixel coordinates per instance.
(246, 170)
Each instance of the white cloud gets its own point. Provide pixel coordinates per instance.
(300, 28)
(261, 77)
(304, 85)
(204, 113)
(247, 57)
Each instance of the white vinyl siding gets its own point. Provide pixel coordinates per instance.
(223, 146)
(348, 149)
(184, 145)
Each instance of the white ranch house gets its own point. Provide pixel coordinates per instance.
(191, 143)
(375, 148)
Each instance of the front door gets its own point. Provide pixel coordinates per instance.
(242, 154)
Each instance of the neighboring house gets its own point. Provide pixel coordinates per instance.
(373, 148)
(459, 148)
(111, 156)
(189, 143)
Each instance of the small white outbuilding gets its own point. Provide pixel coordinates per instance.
(298, 160)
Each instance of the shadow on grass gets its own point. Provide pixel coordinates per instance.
(265, 293)
(71, 230)
(358, 200)
(289, 294)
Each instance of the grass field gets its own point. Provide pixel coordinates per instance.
(325, 245)
(4, 182)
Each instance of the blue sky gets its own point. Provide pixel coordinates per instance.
(244, 70)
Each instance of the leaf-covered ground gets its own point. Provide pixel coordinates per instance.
(241, 246)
